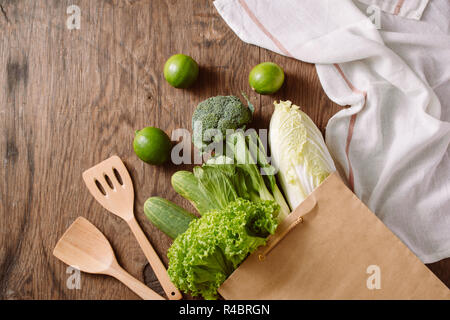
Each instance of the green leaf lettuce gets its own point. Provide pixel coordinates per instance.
(202, 258)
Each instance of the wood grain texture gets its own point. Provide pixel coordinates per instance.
(71, 98)
(85, 247)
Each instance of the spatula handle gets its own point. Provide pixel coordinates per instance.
(135, 285)
(160, 271)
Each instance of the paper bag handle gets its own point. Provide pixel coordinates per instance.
(291, 221)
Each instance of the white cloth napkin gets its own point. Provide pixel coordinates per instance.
(392, 144)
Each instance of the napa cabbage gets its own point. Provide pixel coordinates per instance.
(298, 151)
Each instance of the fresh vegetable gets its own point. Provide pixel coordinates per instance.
(247, 161)
(250, 156)
(298, 151)
(167, 216)
(214, 116)
(152, 145)
(266, 78)
(208, 187)
(180, 71)
(255, 143)
(202, 258)
(187, 185)
(224, 179)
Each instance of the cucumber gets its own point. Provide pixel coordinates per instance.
(167, 216)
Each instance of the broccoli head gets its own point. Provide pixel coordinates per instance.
(219, 113)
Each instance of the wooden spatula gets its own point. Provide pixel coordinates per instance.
(85, 247)
(110, 184)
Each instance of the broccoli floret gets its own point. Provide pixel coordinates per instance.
(220, 113)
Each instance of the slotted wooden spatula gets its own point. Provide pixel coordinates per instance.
(110, 184)
(85, 247)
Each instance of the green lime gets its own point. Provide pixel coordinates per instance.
(266, 78)
(180, 71)
(152, 145)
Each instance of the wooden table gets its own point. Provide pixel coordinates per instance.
(71, 98)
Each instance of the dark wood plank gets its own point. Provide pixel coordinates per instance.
(442, 270)
(70, 99)
(73, 98)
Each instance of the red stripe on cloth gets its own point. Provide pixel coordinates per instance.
(351, 127)
(398, 7)
(263, 29)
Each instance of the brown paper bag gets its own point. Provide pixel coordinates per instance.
(341, 250)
